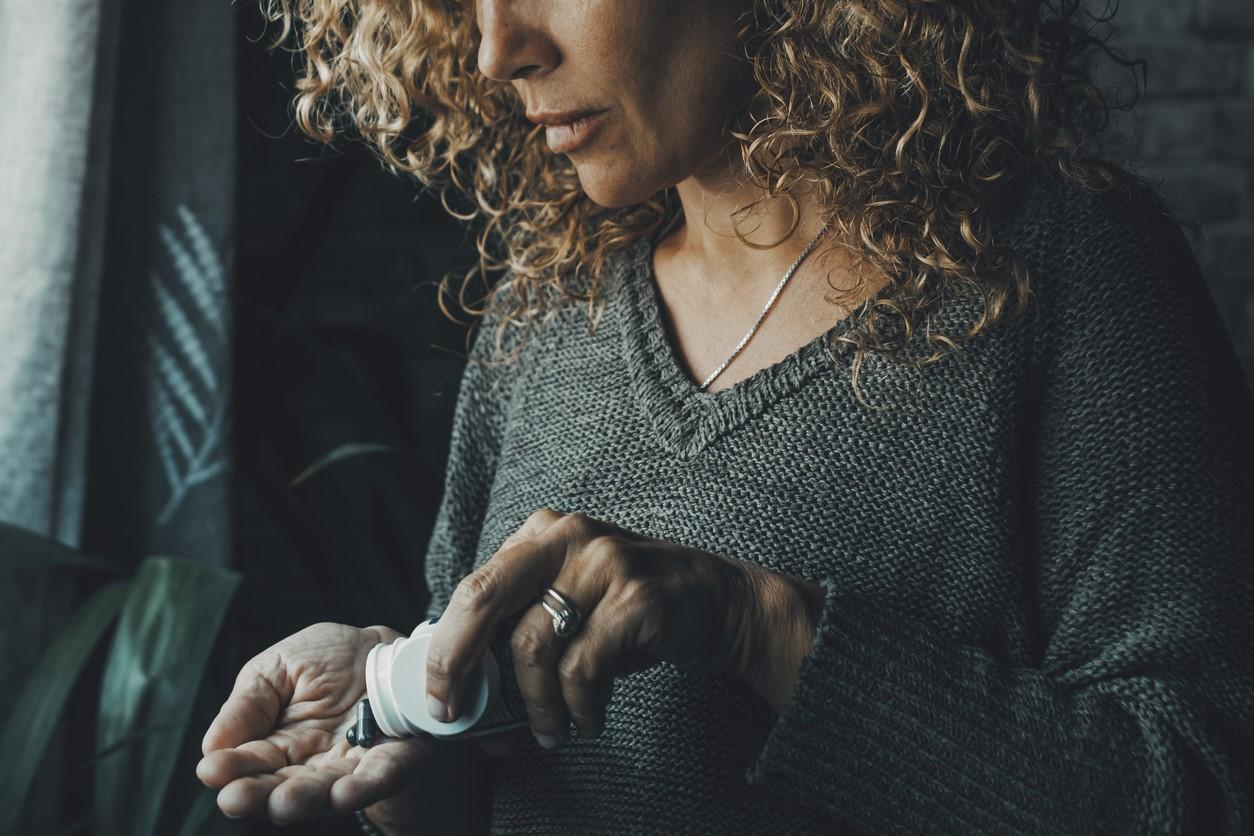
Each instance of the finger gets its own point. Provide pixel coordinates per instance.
(249, 713)
(504, 744)
(302, 743)
(507, 583)
(537, 651)
(283, 748)
(607, 645)
(217, 769)
(247, 796)
(383, 771)
(306, 793)
(532, 526)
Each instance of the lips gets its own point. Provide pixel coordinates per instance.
(561, 117)
(567, 131)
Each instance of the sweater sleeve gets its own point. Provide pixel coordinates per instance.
(478, 422)
(1139, 716)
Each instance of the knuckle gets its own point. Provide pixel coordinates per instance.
(639, 602)
(529, 647)
(476, 590)
(641, 593)
(541, 516)
(574, 673)
(602, 548)
(580, 524)
(265, 667)
(439, 665)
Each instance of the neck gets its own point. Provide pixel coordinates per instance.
(728, 264)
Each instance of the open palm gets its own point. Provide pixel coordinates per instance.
(277, 747)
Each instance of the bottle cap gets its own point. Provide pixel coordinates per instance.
(396, 683)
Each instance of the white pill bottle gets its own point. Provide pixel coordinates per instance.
(396, 685)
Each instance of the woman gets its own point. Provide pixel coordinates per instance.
(956, 537)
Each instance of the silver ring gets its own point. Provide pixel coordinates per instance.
(565, 620)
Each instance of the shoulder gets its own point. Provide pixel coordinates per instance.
(1091, 249)
(497, 353)
(1121, 301)
(1111, 274)
(525, 327)
(500, 335)
(551, 316)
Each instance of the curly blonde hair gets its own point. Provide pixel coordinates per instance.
(904, 117)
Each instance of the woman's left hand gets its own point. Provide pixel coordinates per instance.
(642, 601)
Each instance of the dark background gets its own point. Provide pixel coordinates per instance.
(339, 341)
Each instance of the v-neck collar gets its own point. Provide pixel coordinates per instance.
(686, 418)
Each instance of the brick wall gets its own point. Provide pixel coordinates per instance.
(1194, 133)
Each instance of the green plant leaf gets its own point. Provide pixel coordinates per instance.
(199, 812)
(339, 454)
(131, 739)
(23, 549)
(158, 657)
(38, 709)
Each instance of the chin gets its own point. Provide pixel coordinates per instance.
(613, 189)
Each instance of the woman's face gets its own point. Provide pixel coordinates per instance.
(654, 81)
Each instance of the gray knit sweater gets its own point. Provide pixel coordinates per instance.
(1037, 554)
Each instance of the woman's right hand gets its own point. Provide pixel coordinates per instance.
(277, 748)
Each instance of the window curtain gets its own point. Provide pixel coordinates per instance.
(117, 190)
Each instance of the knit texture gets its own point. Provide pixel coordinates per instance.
(1036, 554)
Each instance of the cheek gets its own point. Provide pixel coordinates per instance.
(651, 146)
(675, 128)
(689, 90)
(673, 86)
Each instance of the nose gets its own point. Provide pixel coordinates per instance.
(513, 43)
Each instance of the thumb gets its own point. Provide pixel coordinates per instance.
(262, 689)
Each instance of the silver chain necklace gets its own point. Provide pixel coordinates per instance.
(779, 287)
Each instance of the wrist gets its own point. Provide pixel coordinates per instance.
(791, 609)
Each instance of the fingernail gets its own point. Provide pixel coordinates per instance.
(548, 741)
(437, 709)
